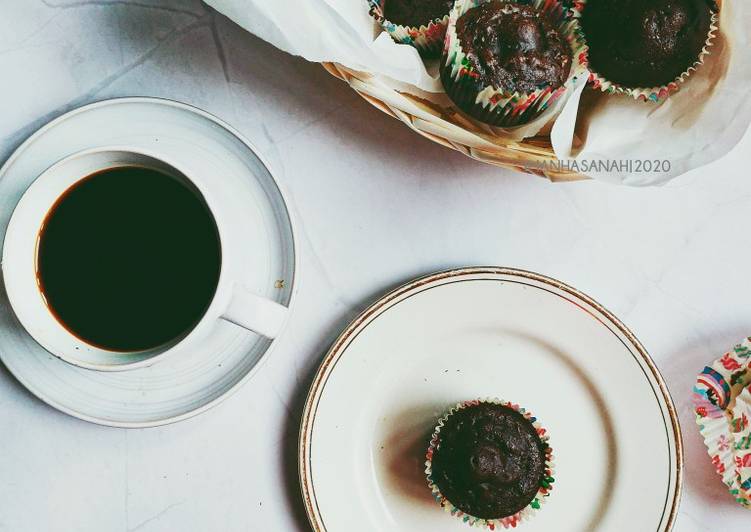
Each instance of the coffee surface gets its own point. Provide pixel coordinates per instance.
(129, 259)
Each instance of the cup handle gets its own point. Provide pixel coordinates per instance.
(255, 313)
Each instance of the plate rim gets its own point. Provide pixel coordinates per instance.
(392, 297)
(294, 282)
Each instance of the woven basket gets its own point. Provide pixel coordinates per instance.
(447, 126)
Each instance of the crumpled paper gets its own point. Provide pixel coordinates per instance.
(612, 138)
(340, 31)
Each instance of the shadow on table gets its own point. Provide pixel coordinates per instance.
(305, 96)
(289, 456)
(8, 321)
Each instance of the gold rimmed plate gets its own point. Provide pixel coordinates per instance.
(489, 332)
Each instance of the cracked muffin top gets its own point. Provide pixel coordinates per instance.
(514, 50)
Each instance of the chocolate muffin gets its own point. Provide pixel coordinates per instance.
(516, 51)
(416, 13)
(488, 460)
(645, 43)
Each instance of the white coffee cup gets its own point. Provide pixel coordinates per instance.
(232, 302)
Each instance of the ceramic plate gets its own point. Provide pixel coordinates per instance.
(489, 332)
(176, 388)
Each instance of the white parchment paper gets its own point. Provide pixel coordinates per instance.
(693, 127)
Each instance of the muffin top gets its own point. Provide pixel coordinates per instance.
(416, 13)
(489, 461)
(517, 51)
(645, 43)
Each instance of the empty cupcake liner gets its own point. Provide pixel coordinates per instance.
(722, 402)
(428, 39)
(652, 94)
(511, 521)
(498, 107)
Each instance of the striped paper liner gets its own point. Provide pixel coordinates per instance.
(722, 403)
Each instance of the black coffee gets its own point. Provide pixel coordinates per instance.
(129, 259)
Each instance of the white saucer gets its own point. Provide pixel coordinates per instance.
(478, 333)
(174, 389)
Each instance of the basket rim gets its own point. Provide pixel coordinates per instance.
(532, 156)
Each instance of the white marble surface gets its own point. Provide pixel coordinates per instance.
(376, 206)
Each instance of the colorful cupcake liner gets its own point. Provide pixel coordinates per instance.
(722, 402)
(501, 108)
(427, 39)
(511, 521)
(652, 94)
